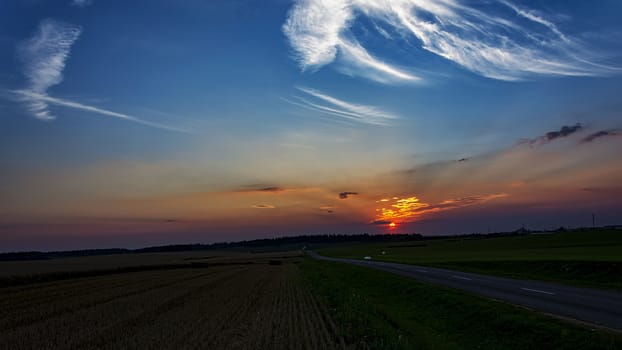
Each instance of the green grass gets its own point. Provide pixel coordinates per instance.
(588, 258)
(377, 310)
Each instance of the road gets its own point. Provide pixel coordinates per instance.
(596, 307)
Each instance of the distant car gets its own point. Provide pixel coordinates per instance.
(367, 258)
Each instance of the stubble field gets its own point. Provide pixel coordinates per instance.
(256, 305)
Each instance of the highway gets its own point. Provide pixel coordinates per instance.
(591, 306)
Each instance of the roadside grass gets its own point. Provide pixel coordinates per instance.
(378, 310)
(588, 258)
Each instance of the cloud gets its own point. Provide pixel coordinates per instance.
(346, 195)
(537, 18)
(260, 188)
(44, 57)
(487, 41)
(380, 222)
(270, 189)
(461, 202)
(411, 207)
(30, 96)
(563, 132)
(81, 3)
(552, 135)
(314, 29)
(602, 133)
(328, 208)
(350, 111)
(264, 206)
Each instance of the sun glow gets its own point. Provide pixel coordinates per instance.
(392, 225)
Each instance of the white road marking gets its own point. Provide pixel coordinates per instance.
(538, 291)
(462, 278)
(424, 271)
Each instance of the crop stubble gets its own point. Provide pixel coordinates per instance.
(257, 306)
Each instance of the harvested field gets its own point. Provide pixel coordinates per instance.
(254, 306)
(74, 265)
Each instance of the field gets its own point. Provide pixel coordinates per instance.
(588, 258)
(279, 300)
(256, 305)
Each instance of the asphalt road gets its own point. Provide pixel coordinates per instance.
(596, 307)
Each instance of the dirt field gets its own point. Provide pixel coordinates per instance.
(254, 306)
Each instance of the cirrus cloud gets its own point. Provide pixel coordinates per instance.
(359, 113)
(44, 57)
(500, 41)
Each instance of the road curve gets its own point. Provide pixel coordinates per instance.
(596, 307)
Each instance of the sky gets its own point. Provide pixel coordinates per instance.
(129, 124)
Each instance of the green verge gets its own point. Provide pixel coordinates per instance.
(378, 310)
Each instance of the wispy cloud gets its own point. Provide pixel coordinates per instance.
(315, 30)
(30, 96)
(81, 3)
(537, 18)
(487, 41)
(44, 57)
(354, 112)
(602, 133)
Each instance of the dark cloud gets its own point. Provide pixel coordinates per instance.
(552, 135)
(602, 133)
(261, 188)
(271, 189)
(345, 195)
(380, 222)
(463, 159)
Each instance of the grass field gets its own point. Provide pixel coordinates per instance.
(249, 306)
(377, 310)
(589, 258)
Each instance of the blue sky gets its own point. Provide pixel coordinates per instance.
(161, 102)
